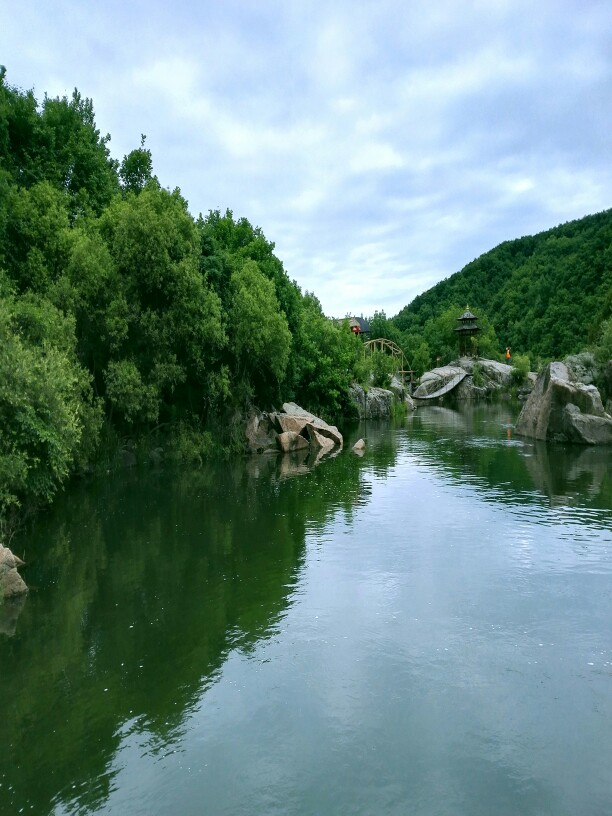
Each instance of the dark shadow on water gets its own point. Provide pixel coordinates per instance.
(142, 584)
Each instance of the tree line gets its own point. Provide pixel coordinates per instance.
(546, 296)
(122, 315)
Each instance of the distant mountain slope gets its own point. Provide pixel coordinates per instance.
(546, 294)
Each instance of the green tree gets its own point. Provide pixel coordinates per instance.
(49, 420)
(136, 169)
(258, 331)
(327, 356)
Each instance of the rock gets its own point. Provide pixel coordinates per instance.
(260, 434)
(409, 402)
(330, 431)
(397, 387)
(437, 378)
(561, 410)
(290, 441)
(11, 583)
(582, 367)
(494, 374)
(288, 422)
(359, 445)
(291, 430)
(318, 441)
(8, 560)
(156, 456)
(375, 403)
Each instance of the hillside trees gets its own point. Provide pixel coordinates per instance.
(545, 294)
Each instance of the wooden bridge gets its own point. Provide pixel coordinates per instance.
(404, 369)
(448, 386)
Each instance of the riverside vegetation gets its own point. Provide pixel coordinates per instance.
(123, 317)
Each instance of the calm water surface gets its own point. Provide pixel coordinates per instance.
(424, 630)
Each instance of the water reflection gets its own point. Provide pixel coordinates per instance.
(151, 590)
(141, 585)
(476, 445)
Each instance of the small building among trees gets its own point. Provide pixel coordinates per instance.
(359, 325)
(467, 331)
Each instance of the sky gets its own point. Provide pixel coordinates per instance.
(380, 145)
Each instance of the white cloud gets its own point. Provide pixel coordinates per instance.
(381, 146)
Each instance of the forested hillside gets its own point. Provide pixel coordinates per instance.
(546, 294)
(122, 316)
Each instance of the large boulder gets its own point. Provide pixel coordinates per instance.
(438, 378)
(493, 374)
(290, 409)
(375, 403)
(562, 410)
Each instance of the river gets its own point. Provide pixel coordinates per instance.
(424, 630)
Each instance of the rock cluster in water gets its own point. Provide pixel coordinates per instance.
(561, 409)
(468, 379)
(290, 430)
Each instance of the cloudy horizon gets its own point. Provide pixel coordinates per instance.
(380, 146)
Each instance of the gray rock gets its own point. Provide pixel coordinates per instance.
(582, 367)
(375, 403)
(359, 445)
(561, 410)
(289, 422)
(437, 378)
(260, 434)
(397, 387)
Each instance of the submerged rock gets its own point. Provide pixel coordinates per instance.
(559, 409)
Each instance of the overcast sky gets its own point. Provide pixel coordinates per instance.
(381, 145)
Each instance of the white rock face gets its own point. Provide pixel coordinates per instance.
(564, 411)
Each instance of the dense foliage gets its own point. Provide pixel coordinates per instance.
(547, 294)
(120, 313)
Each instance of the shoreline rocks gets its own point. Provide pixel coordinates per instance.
(290, 430)
(560, 409)
(471, 378)
(376, 403)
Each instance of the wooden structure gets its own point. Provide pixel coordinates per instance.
(389, 347)
(465, 331)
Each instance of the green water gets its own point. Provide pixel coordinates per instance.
(423, 630)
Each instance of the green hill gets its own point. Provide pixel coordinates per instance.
(545, 294)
